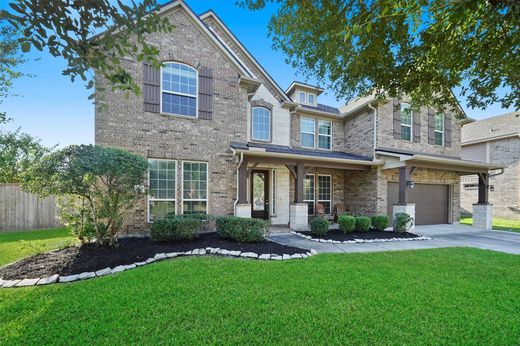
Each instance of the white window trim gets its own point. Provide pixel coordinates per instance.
(182, 187)
(308, 133)
(439, 131)
(313, 192)
(149, 199)
(273, 205)
(331, 192)
(179, 93)
(304, 97)
(407, 125)
(318, 134)
(270, 125)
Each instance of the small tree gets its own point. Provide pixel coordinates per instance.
(98, 186)
(17, 152)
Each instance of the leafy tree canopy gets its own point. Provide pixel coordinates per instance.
(18, 151)
(98, 186)
(424, 49)
(66, 28)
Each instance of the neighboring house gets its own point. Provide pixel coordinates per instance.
(223, 138)
(494, 140)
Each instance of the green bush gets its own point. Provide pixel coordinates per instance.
(319, 225)
(363, 223)
(207, 221)
(175, 228)
(402, 222)
(346, 223)
(380, 222)
(242, 229)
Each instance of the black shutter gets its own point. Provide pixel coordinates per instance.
(397, 118)
(151, 88)
(431, 126)
(447, 130)
(417, 126)
(205, 93)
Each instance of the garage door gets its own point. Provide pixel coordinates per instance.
(431, 202)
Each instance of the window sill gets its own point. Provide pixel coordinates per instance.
(178, 116)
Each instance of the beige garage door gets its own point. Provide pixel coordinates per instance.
(431, 202)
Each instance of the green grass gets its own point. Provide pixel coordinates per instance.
(498, 224)
(16, 245)
(441, 296)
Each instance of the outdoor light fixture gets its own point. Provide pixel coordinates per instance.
(410, 184)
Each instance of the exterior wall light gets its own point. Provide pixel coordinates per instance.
(410, 184)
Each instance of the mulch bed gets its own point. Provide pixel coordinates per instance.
(91, 257)
(336, 234)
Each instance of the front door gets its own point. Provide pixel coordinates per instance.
(260, 194)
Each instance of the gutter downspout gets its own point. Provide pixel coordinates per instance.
(375, 129)
(238, 167)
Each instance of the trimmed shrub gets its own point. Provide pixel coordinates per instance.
(380, 222)
(347, 223)
(242, 229)
(319, 225)
(175, 228)
(363, 223)
(402, 222)
(207, 221)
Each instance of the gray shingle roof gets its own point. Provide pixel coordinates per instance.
(272, 148)
(501, 125)
(323, 108)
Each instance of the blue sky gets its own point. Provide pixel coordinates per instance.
(56, 110)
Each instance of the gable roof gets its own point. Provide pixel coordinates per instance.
(500, 126)
(244, 50)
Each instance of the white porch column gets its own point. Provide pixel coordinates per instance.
(298, 217)
(243, 210)
(408, 208)
(483, 216)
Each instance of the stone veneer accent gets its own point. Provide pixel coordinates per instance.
(299, 218)
(409, 209)
(483, 216)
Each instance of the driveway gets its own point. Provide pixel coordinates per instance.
(442, 236)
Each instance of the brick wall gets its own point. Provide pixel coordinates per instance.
(124, 124)
(359, 133)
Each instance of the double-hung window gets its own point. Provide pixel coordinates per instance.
(307, 130)
(325, 192)
(439, 129)
(303, 97)
(161, 197)
(261, 124)
(324, 135)
(179, 90)
(406, 122)
(308, 193)
(194, 187)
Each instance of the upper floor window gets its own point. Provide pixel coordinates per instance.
(261, 124)
(307, 130)
(302, 97)
(324, 134)
(307, 98)
(179, 89)
(310, 98)
(406, 122)
(439, 129)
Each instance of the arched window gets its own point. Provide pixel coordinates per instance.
(261, 124)
(179, 89)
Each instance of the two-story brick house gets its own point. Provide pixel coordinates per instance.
(222, 138)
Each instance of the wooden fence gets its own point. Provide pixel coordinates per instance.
(20, 210)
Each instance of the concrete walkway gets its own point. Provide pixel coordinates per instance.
(442, 236)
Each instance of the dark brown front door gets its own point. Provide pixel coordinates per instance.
(260, 194)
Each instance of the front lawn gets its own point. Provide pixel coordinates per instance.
(441, 296)
(498, 224)
(16, 245)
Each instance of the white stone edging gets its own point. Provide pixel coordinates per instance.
(160, 256)
(357, 241)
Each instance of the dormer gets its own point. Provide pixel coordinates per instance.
(304, 94)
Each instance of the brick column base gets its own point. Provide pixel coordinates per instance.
(409, 209)
(483, 216)
(298, 217)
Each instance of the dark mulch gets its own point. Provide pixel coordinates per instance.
(336, 234)
(91, 257)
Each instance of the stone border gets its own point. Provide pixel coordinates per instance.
(160, 256)
(358, 241)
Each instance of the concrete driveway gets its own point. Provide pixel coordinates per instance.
(442, 236)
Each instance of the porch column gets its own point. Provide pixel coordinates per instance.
(402, 205)
(243, 207)
(483, 211)
(298, 218)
